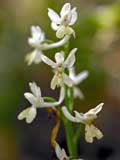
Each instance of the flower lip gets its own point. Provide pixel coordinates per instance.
(29, 114)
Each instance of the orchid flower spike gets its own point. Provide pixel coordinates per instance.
(76, 80)
(37, 101)
(36, 41)
(61, 24)
(61, 154)
(90, 130)
(60, 78)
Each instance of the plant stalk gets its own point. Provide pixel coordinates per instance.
(69, 100)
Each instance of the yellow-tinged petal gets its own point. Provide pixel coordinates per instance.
(61, 32)
(29, 114)
(69, 30)
(23, 114)
(97, 133)
(90, 132)
(54, 81)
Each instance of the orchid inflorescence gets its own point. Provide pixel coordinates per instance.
(64, 78)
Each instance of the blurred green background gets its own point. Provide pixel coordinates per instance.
(98, 43)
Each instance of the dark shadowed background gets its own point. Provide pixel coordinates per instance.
(98, 42)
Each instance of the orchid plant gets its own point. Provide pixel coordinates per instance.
(65, 79)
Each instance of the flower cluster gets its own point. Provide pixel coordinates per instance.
(64, 78)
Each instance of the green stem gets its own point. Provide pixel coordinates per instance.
(69, 100)
(72, 148)
(78, 133)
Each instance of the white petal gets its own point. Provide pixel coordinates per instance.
(88, 134)
(31, 41)
(54, 82)
(59, 57)
(69, 31)
(78, 93)
(64, 155)
(60, 32)
(91, 131)
(28, 113)
(68, 115)
(38, 36)
(41, 36)
(80, 77)
(37, 58)
(72, 73)
(79, 116)
(31, 115)
(30, 97)
(67, 80)
(54, 17)
(74, 16)
(65, 9)
(34, 57)
(23, 114)
(70, 59)
(48, 61)
(54, 26)
(35, 89)
(60, 153)
(62, 95)
(96, 132)
(30, 57)
(96, 110)
(57, 80)
(35, 30)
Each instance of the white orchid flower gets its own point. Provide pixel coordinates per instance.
(61, 24)
(76, 80)
(36, 41)
(90, 130)
(61, 154)
(37, 101)
(60, 78)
